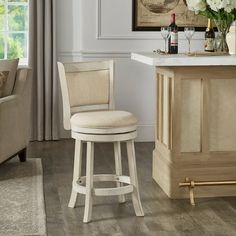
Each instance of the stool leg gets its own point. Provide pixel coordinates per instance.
(118, 167)
(134, 178)
(89, 182)
(77, 171)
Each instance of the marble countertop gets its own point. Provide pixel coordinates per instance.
(155, 59)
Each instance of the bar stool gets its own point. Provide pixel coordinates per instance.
(88, 111)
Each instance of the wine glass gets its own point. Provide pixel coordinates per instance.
(189, 32)
(165, 33)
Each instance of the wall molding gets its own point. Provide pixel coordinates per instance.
(100, 36)
(151, 35)
(94, 54)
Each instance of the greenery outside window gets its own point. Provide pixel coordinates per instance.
(14, 28)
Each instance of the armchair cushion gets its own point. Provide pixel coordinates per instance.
(7, 76)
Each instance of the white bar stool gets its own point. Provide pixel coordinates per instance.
(87, 92)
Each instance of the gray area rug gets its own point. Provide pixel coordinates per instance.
(22, 210)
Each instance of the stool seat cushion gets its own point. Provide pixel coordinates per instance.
(103, 120)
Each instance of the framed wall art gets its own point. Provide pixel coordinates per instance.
(151, 15)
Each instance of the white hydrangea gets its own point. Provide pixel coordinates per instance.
(197, 5)
(227, 5)
(230, 6)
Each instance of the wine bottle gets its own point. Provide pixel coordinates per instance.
(209, 37)
(173, 39)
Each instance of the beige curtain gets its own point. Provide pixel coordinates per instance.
(42, 58)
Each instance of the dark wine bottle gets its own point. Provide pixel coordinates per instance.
(209, 37)
(173, 39)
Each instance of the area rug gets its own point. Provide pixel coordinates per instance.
(22, 210)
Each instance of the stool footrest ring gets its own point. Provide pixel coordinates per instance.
(106, 178)
(79, 187)
(113, 191)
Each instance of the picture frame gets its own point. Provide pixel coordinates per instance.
(145, 20)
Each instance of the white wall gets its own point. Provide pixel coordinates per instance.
(97, 29)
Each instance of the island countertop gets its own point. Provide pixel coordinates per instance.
(155, 59)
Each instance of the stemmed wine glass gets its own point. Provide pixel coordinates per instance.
(165, 32)
(189, 32)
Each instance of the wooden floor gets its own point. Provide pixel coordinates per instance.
(162, 216)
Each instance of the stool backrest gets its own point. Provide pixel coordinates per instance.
(86, 86)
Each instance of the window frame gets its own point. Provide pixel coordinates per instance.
(5, 32)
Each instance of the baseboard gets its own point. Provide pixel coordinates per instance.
(146, 133)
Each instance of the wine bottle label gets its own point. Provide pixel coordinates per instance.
(209, 44)
(174, 38)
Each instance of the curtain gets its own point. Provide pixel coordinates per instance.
(42, 59)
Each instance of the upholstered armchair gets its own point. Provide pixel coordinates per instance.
(15, 116)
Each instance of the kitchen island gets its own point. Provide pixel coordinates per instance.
(195, 137)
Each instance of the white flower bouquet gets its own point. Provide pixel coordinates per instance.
(214, 9)
(223, 12)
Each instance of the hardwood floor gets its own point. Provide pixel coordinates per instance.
(215, 216)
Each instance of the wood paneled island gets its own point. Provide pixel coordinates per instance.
(196, 123)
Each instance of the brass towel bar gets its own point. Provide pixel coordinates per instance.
(191, 184)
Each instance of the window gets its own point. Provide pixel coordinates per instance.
(14, 25)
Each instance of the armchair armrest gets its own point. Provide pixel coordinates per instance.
(23, 90)
(8, 105)
(7, 99)
(12, 138)
(23, 81)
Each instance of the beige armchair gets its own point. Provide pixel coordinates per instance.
(15, 117)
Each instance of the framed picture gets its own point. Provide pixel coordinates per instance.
(151, 15)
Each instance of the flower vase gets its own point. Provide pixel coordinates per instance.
(231, 39)
(223, 26)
